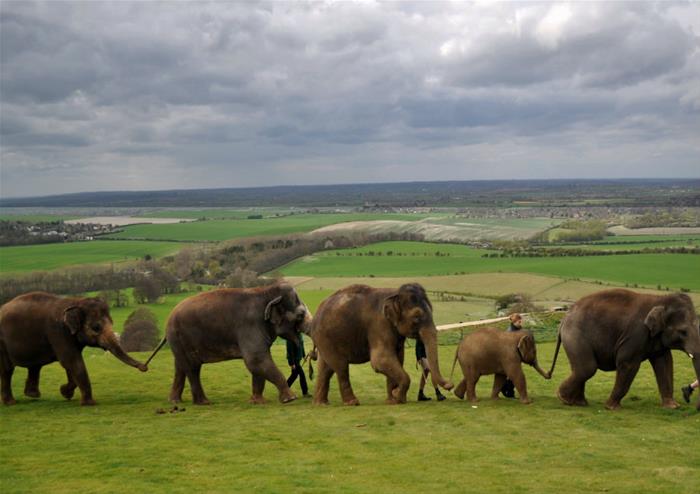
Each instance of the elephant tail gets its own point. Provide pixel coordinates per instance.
(160, 345)
(311, 356)
(556, 350)
(454, 362)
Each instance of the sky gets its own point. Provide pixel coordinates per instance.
(167, 95)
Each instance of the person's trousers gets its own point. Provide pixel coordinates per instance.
(298, 370)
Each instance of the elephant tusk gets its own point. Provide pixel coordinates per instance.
(691, 356)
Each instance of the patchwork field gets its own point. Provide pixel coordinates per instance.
(46, 257)
(499, 446)
(400, 259)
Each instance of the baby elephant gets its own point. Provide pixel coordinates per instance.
(492, 351)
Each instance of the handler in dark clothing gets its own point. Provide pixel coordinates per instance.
(516, 324)
(422, 359)
(295, 354)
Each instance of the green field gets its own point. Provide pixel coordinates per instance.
(46, 257)
(52, 445)
(420, 259)
(639, 243)
(216, 230)
(242, 213)
(36, 218)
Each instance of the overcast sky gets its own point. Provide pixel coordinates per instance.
(134, 96)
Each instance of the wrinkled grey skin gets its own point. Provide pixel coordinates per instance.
(618, 330)
(233, 323)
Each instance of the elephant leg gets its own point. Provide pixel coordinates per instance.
(178, 384)
(193, 376)
(346, 392)
(624, 376)
(260, 364)
(258, 384)
(79, 375)
(68, 389)
(460, 389)
(323, 378)
(31, 386)
(663, 370)
(516, 375)
(572, 391)
(472, 379)
(391, 367)
(6, 370)
(498, 381)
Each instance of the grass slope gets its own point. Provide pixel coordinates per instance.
(51, 445)
(46, 257)
(215, 230)
(420, 259)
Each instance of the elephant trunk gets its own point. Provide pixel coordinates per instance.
(108, 341)
(539, 369)
(429, 337)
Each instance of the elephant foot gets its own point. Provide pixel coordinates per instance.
(447, 385)
(175, 400)
(32, 393)
(288, 398)
(613, 405)
(9, 401)
(89, 402)
(257, 400)
(459, 393)
(525, 401)
(201, 401)
(352, 402)
(473, 399)
(67, 391)
(578, 402)
(670, 403)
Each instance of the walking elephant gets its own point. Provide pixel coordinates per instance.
(359, 324)
(233, 323)
(618, 330)
(39, 328)
(492, 351)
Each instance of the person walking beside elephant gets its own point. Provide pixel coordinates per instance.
(422, 360)
(295, 355)
(516, 324)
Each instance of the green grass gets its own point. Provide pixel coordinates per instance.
(216, 230)
(53, 445)
(36, 218)
(419, 259)
(46, 257)
(242, 213)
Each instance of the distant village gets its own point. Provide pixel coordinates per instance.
(28, 233)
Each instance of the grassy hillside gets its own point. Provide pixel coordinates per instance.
(51, 445)
(422, 259)
(215, 230)
(51, 256)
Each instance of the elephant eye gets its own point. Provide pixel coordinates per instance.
(96, 327)
(683, 333)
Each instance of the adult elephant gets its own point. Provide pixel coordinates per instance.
(359, 324)
(39, 328)
(233, 323)
(618, 330)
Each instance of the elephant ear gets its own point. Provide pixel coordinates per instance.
(655, 320)
(74, 318)
(526, 349)
(269, 306)
(392, 309)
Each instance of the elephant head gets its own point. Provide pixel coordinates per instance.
(287, 314)
(528, 353)
(89, 321)
(675, 323)
(410, 312)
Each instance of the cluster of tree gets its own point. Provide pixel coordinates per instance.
(379, 253)
(29, 233)
(574, 252)
(511, 303)
(140, 331)
(669, 218)
(148, 278)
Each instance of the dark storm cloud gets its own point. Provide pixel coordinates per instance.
(156, 95)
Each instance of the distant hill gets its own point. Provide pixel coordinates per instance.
(633, 192)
